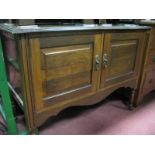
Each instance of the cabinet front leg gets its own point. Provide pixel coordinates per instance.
(129, 97)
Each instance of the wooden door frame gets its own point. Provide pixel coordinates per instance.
(106, 49)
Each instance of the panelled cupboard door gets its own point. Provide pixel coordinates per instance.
(63, 68)
(120, 58)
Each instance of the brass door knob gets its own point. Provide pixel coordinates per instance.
(105, 60)
(97, 62)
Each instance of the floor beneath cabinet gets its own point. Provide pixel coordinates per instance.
(111, 117)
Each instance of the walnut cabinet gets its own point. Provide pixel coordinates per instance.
(56, 70)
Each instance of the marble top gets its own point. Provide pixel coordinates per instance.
(11, 28)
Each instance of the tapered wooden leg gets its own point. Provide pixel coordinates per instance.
(128, 98)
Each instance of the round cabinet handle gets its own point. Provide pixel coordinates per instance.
(97, 63)
(105, 60)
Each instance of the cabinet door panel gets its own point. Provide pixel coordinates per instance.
(67, 68)
(122, 52)
(63, 72)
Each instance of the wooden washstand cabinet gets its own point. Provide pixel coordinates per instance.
(55, 67)
(147, 80)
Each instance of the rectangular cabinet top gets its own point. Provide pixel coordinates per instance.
(11, 28)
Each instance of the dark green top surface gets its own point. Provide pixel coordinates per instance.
(11, 28)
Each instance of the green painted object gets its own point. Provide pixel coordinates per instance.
(6, 109)
(6, 105)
